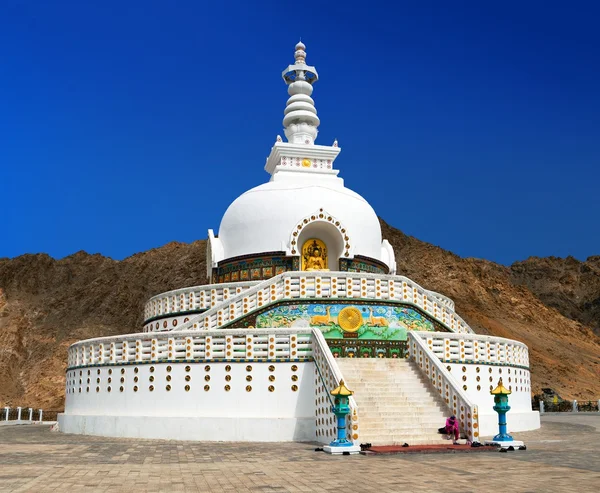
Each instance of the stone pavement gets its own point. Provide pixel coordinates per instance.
(562, 456)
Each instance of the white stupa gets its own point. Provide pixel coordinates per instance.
(304, 198)
(304, 293)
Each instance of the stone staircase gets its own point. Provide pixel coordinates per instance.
(396, 404)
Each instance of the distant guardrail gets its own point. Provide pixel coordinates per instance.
(565, 406)
(26, 415)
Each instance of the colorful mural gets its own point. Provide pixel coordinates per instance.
(254, 267)
(266, 265)
(363, 264)
(339, 321)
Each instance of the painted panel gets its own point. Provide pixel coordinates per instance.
(339, 321)
(363, 264)
(252, 267)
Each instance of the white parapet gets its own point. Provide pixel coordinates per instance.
(268, 384)
(326, 286)
(179, 309)
(464, 368)
(234, 385)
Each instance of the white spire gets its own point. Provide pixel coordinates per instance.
(300, 120)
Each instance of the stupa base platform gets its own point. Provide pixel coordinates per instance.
(187, 428)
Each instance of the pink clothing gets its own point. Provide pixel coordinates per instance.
(452, 428)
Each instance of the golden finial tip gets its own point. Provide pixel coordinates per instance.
(342, 390)
(500, 389)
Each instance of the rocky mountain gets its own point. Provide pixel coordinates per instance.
(47, 304)
(567, 284)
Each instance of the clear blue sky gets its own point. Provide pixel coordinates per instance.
(474, 126)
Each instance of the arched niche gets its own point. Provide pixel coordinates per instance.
(326, 233)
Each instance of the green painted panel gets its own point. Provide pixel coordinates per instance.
(341, 321)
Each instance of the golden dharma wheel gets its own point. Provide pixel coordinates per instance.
(350, 319)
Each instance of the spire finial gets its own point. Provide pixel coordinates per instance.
(300, 54)
(300, 120)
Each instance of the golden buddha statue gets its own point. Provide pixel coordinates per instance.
(314, 255)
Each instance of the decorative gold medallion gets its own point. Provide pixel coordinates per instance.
(350, 319)
(306, 163)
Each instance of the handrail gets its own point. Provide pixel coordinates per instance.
(185, 346)
(217, 312)
(324, 284)
(330, 376)
(191, 298)
(204, 297)
(456, 399)
(483, 349)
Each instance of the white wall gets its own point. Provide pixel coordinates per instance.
(214, 414)
(520, 417)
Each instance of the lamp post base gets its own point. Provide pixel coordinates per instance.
(333, 450)
(505, 444)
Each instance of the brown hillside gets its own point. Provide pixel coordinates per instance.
(567, 284)
(564, 354)
(48, 304)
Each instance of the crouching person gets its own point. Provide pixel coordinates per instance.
(451, 429)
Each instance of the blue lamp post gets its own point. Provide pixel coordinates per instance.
(341, 408)
(503, 439)
(501, 406)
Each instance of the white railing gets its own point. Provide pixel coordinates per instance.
(444, 300)
(458, 348)
(192, 298)
(20, 415)
(190, 345)
(211, 295)
(449, 389)
(335, 285)
(328, 378)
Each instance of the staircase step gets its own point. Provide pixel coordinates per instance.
(390, 427)
(401, 439)
(402, 400)
(396, 403)
(399, 408)
(393, 393)
(403, 418)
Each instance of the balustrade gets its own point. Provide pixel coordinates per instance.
(192, 299)
(459, 348)
(455, 398)
(183, 346)
(327, 378)
(323, 285)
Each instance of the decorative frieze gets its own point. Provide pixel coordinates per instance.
(253, 267)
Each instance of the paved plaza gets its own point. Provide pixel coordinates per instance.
(562, 456)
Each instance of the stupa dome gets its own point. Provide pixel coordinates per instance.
(264, 219)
